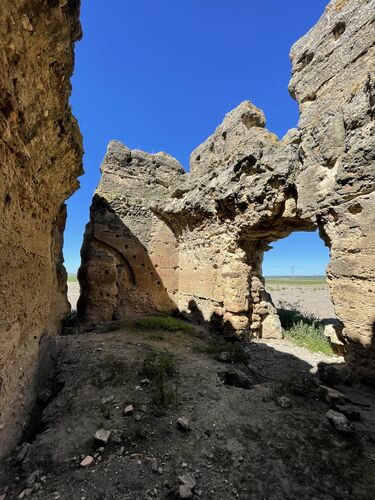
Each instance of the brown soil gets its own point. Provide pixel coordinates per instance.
(242, 443)
(312, 300)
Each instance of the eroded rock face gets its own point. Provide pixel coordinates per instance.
(246, 189)
(334, 83)
(40, 152)
(208, 227)
(129, 256)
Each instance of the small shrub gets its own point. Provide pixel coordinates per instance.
(291, 316)
(111, 371)
(166, 323)
(106, 410)
(161, 366)
(305, 331)
(159, 361)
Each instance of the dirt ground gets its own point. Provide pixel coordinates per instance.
(312, 300)
(241, 442)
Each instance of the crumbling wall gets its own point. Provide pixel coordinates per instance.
(129, 257)
(247, 188)
(238, 197)
(40, 151)
(334, 84)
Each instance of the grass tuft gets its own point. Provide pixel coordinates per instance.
(164, 323)
(305, 331)
(161, 366)
(111, 371)
(106, 410)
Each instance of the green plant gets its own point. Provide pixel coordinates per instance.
(111, 371)
(235, 353)
(305, 331)
(166, 323)
(161, 366)
(159, 361)
(106, 410)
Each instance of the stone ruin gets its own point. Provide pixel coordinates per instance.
(40, 159)
(160, 240)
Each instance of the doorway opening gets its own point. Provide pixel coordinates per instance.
(295, 276)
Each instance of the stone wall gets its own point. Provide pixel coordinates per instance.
(334, 84)
(247, 188)
(40, 151)
(129, 257)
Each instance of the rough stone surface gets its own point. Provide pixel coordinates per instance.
(247, 189)
(338, 421)
(334, 84)
(102, 436)
(129, 257)
(40, 151)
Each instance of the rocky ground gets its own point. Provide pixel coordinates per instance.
(213, 425)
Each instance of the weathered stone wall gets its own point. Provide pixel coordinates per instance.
(334, 84)
(219, 219)
(238, 197)
(129, 257)
(40, 151)
(247, 189)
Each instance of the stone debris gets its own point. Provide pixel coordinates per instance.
(183, 424)
(330, 395)
(154, 466)
(187, 480)
(185, 491)
(284, 402)
(224, 357)
(32, 478)
(22, 453)
(87, 461)
(25, 493)
(339, 421)
(129, 410)
(102, 436)
(333, 332)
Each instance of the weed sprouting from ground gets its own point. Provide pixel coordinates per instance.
(111, 371)
(164, 323)
(161, 366)
(106, 410)
(305, 331)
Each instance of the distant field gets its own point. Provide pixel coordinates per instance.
(270, 280)
(296, 280)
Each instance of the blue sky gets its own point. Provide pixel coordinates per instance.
(159, 75)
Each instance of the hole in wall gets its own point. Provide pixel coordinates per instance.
(305, 59)
(294, 271)
(339, 30)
